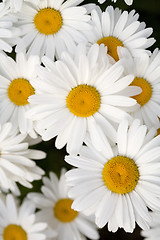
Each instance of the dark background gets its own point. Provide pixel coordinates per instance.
(149, 11)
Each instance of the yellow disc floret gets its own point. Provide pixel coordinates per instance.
(48, 21)
(83, 100)
(112, 43)
(19, 90)
(146, 93)
(120, 174)
(63, 211)
(14, 232)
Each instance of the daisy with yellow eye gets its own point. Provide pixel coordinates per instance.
(55, 209)
(50, 27)
(16, 87)
(147, 76)
(18, 222)
(154, 232)
(16, 165)
(128, 2)
(115, 28)
(80, 95)
(121, 185)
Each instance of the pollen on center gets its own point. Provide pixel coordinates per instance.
(48, 21)
(120, 174)
(83, 100)
(19, 90)
(146, 93)
(14, 232)
(112, 43)
(63, 211)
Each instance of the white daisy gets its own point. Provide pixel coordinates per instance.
(16, 79)
(154, 232)
(128, 2)
(15, 160)
(120, 185)
(147, 76)
(55, 209)
(50, 27)
(115, 28)
(18, 222)
(7, 31)
(80, 95)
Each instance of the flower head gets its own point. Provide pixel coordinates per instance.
(80, 95)
(19, 222)
(146, 76)
(115, 29)
(118, 186)
(55, 209)
(16, 79)
(50, 27)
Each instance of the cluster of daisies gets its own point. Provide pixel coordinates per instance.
(86, 78)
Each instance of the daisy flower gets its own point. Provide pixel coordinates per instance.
(128, 2)
(121, 185)
(16, 86)
(50, 27)
(154, 232)
(115, 28)
(79, 96)
(147, 76)
(15, 160)
(55, 209)
(18, 222)
(7, 31)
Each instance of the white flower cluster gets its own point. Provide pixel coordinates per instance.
(86, 77)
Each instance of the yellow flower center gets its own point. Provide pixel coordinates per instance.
(146, 93)
(14, 232)
(63, 211)
(48, 21)
(19, 90)
(120, 174)
(112, 43)
(83, 100)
